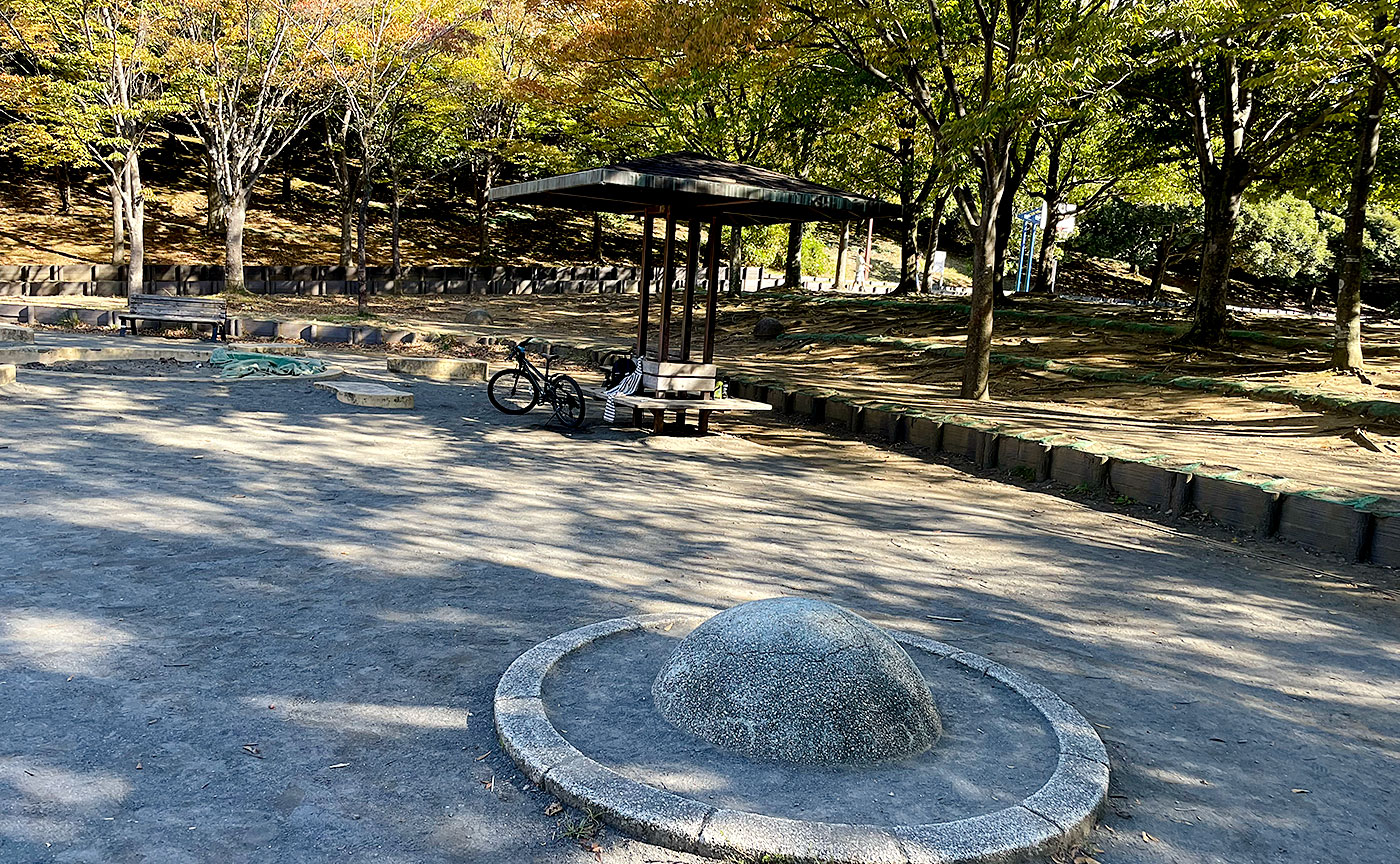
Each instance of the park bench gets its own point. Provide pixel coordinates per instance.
(184, 310)
(678, 387)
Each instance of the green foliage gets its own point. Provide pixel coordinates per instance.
(1281, 238)
(1130, 232)
(1382, 239)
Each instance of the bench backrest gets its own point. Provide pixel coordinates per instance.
(159, 304)
(673, 377)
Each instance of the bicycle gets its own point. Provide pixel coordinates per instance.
(516, 391)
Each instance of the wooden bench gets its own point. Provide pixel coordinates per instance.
(678, 387)
(185, 310)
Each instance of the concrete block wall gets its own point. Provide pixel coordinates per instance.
(107, 280)
(1354, 529)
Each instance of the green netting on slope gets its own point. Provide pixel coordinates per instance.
(240, 364)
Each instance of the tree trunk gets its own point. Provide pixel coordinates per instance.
(977, 362)
(1222, 217)
(736, 260)
(483, 207)
(136, 227)
(235, 216)
(1346, 349)
(841, 255)
(65, 190)
(1005, 215)
(935, 227)
(598, 238)
(338, 146)
(213, 203)
(395, 214)
(118, 220)
(908, 212)
(793, 269)
(1159, 266)
(992, 189)
(362, 264)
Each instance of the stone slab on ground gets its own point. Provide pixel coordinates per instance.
(10, 333)
(439, 368)
(367, 394)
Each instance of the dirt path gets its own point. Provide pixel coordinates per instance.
(1316, 449)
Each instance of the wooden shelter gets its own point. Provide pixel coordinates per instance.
(698, 190)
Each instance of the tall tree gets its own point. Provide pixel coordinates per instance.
(993, 63)
(252, 73)
(1250, 81)
(94, 87)
(381, 51)
(1378, 54)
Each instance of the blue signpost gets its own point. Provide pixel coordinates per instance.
(1030, 221)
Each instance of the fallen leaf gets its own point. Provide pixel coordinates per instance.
(339, 765)
(1300, 792)
(554, 809)
(1148, 838)
(483, 755)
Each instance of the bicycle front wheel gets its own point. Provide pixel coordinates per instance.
(512, 391)
(568, 401)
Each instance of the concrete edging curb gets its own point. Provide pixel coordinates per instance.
(1061, 812)
(1361, 528)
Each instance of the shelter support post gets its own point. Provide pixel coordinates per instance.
(668, 277)
(707, 352)
(644, 285)
(692, 274)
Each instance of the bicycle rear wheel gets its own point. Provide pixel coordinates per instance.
(568, 401)
(512, 391)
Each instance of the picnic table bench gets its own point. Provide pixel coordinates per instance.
(185, 310)
(678, 387)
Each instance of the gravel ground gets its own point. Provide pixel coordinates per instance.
(248, 620)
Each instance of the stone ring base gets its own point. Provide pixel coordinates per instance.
(1058, 814)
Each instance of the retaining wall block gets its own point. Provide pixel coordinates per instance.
(13, 273)
(965, 442)
(7, 373)
(810, 403)
(1239, 505)
(365, 336)
(259, 327)
(1076, 468)
(109, 273)
(1330, 526)
(16, 312)
(328, 333)
(843, 412)
(1029, 455)
(161, 273)
(884, 421)
(12, 289)
(303, 330)
(73, 273)
(925, 432)
(1147, 484)
(399, 337)
(107, 288)
(1385, 540)
(780, 399)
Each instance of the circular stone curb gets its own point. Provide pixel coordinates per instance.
(1058, 814)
